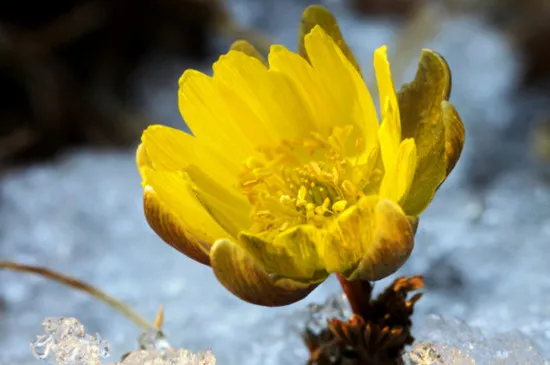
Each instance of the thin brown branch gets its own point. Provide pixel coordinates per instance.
(100, 295)
(159, 320)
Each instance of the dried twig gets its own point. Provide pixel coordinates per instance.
(73, 283)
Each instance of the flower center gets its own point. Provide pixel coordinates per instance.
(306, 181)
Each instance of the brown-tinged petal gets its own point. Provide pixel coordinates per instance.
(351, 235)
(391, 245)
(293, 253)
(165, 223)
(319, 15)
(454, 135)
(168, 227)
(421, 111)
(239, 274)
(248, 49)
(174, 212)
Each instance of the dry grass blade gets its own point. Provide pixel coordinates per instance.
(73, 283)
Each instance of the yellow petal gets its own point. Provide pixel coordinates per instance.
(291, 254)
(238, 272)
(248, 49)
(173, 211)
(223, 202)
(397, 182)
(172, 230)
(266, 103)
(389, 137)
(421, 109)
(198, 169)
(349, 95)
(391, 246)
(390, 130)
(384, 81)
(142, 160)
(318, 15)
(170, 149)
(454, 135)
(350, 236)
(209, 116)
(314, 96)
(167, 148)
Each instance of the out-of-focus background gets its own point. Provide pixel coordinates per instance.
(80, 79)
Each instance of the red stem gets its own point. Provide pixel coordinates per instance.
(358, 293)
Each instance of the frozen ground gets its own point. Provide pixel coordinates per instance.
(482, 245)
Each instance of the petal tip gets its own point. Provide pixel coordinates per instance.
(142, 159)
(316, 15)
(248, 49)
(317, 19)
(165, 225)
(437, 64)
(382, 51)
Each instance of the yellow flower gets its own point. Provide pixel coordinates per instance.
(290, 176)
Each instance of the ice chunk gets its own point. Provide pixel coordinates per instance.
(177, 357)
(278, 339)
(153, 340)
(442, 340)
(66, 343)
(430, 354)
(335, 307)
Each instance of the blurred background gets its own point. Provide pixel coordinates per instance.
(80, 80)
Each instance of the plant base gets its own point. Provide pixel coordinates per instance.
(375, 335)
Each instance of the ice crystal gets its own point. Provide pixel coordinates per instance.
(335, 307)
(449, 341)
(153, 340)
(66, 343)
(176, 357)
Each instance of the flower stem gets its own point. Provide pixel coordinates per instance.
(358, 293)
(114, 303)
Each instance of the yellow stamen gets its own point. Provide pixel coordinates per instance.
(315, 182)
(339, 206)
